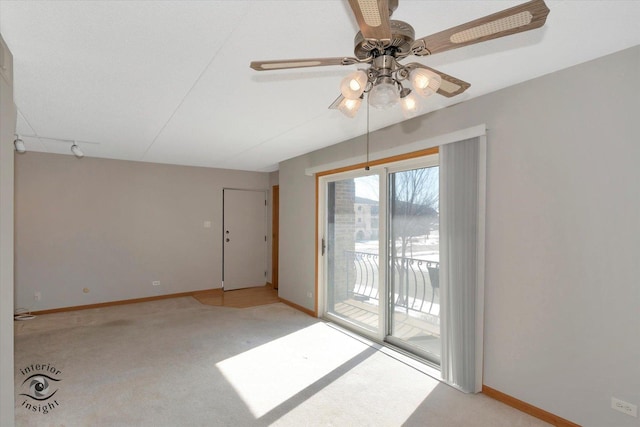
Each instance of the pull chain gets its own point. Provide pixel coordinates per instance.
(367, 163)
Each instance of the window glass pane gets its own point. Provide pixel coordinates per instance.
(414, 259)
(352, 250)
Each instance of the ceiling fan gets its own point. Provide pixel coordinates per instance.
(382, 43)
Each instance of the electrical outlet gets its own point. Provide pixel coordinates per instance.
(309, 295)
(624, 407)
(37, 295)
(155, 283)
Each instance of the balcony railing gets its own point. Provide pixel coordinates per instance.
(414, 281)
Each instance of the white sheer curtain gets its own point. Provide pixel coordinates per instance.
(462, 206)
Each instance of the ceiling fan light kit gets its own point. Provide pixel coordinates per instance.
(384, 93)
(409, 103)
(354, 85)
(382, 43)
(425, 82)
(349, 107)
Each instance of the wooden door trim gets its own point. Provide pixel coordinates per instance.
(275, 233)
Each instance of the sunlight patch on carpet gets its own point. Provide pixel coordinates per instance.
(294, 357)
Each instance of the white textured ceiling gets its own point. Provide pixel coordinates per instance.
(169, 82)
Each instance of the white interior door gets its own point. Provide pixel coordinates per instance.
(244, 239)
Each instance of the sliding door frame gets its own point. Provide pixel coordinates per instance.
(378, 167)
(398, 167)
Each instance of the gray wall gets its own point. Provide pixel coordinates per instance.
(115, 226)
(562, 317)
(296, 261)
(7, 128)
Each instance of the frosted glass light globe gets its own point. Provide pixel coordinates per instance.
(425, 82)
(383, 95)
(410, 104)
(349, 107)
(353, 85)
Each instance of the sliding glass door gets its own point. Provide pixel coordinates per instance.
(380, 253)
(404, 258)
(414, 304)
(352, 245)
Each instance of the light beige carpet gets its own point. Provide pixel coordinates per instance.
(179, 363)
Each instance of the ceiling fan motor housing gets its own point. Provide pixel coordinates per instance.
(402, 37)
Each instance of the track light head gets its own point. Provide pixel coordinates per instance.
(77, 151)
(19, 145)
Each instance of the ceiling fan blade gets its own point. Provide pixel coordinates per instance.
(524, 17)
(373, 18)
(301, 63)
(393, 5)
(334, 105)
(449, 87)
